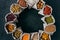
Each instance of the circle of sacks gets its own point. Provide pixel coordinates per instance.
(44, 9)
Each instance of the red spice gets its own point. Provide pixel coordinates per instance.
(47, 10)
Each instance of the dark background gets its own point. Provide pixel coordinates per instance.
(4, 9)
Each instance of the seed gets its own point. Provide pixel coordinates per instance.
(35, 36)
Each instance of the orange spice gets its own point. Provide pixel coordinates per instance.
(26, 37)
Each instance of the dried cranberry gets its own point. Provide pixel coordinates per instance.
(10, 17)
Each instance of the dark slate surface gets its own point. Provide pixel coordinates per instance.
(4, 9)
(30, 21)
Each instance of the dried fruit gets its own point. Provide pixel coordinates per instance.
(45, 36)
(10, 27)
(17, 33)
(10, 17)
(40, 5)
(15, 8)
